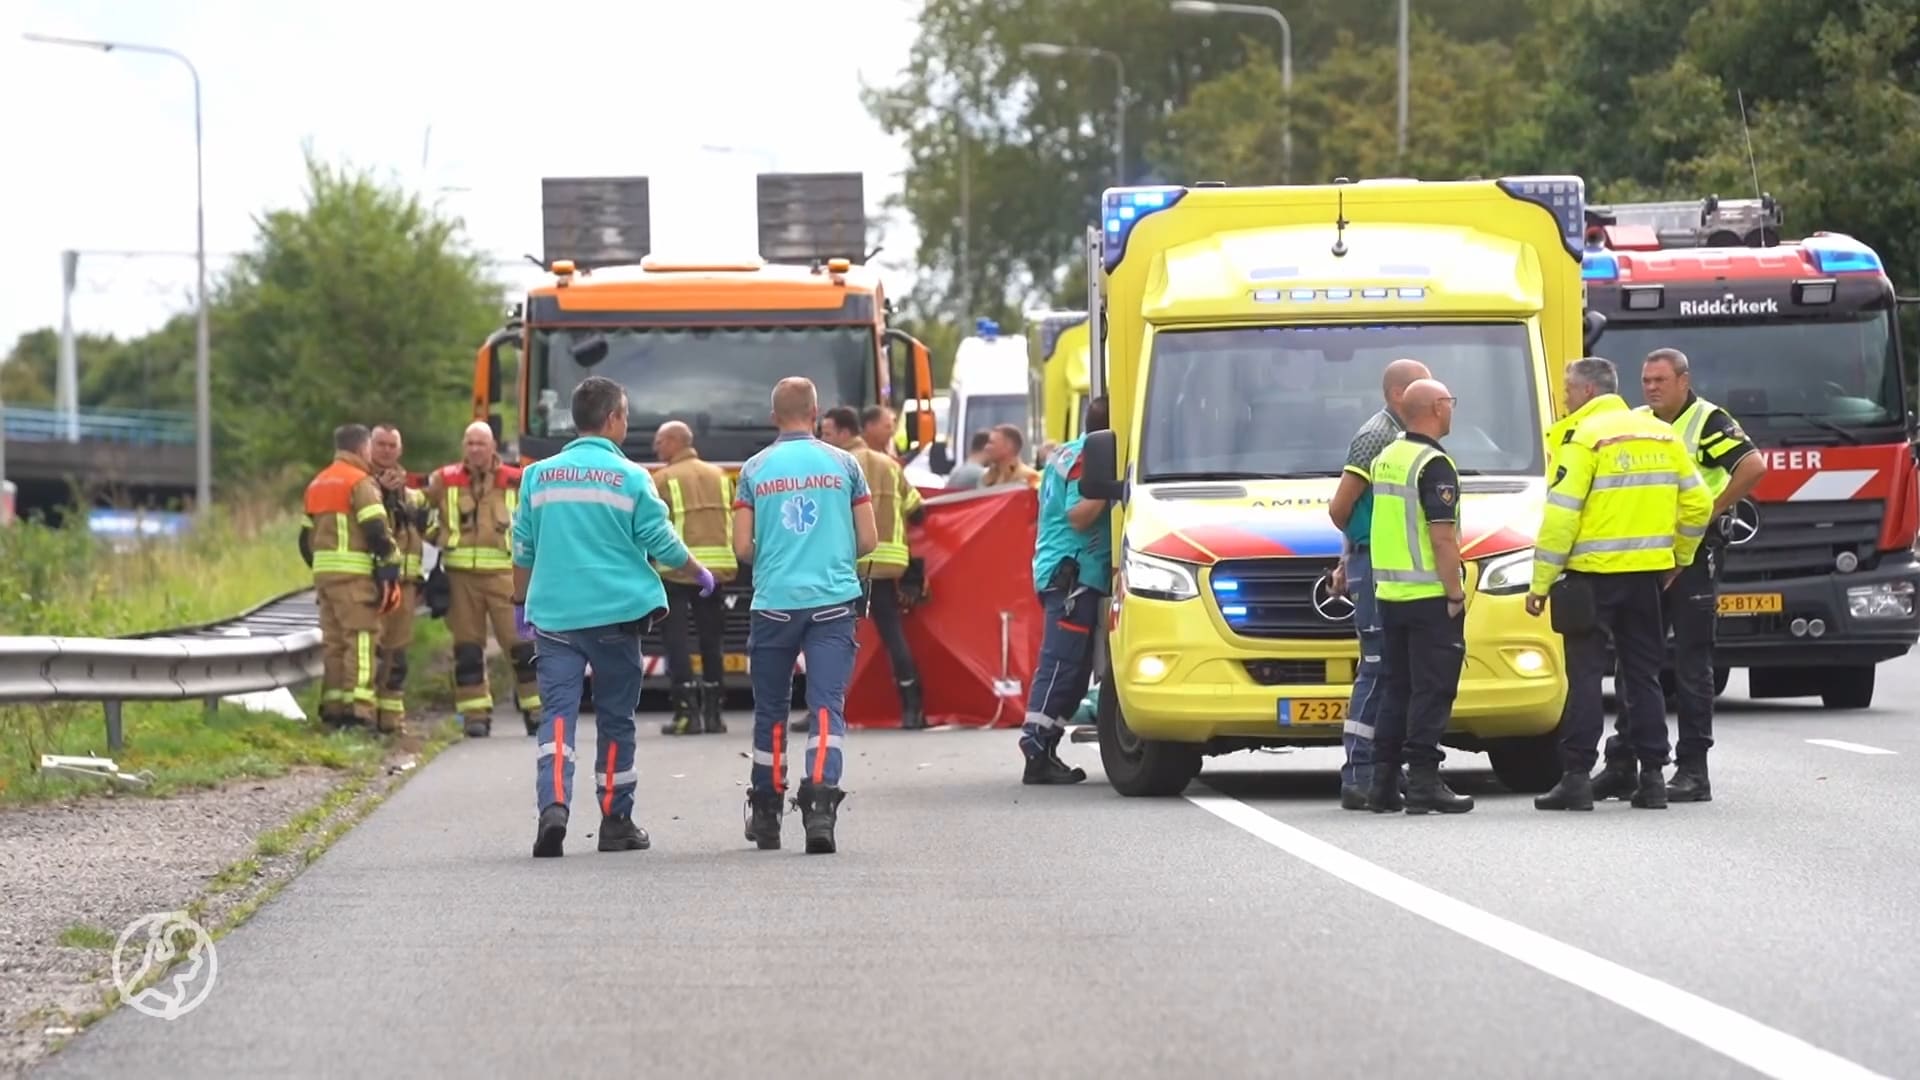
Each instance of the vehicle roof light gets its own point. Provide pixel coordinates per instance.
(1052, 326)
(1122, 209)
(1642, 297)
(986, 328)
(1813, 292)
(1563, 196)
(1838, 253)
(1631, 238)
(1599, 266)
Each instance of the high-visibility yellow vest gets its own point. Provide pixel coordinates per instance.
(1692, 425)
(1403, 564)
(1625, 497)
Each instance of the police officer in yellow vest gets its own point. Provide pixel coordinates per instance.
(1421, 590)
(1731, 467)
(895, 502)
(1625, 508)
(699, 498)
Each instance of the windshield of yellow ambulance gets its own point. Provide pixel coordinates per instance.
(1282, 402)
(716, 379)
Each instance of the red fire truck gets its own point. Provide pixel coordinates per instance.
(1798, 341)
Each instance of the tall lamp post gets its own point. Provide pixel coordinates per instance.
(1047, 49)
(1208, 8)
(202, 366)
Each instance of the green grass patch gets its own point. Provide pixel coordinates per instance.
(80, 936)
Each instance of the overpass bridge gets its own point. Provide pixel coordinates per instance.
(144, 455)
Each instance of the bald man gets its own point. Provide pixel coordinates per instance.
(803, 518)
(472, 503)
(1423, 604)
(1352, 513)
(699, 499)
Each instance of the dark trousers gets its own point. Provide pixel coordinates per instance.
(1628, 607)
(883, 605)
(1690, 607)
(1425, 648)
(709, 617)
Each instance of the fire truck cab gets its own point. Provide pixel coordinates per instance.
(1798, 341)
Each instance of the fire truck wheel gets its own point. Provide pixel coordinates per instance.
(1137, 766)
(1847, 688)
(1720, 677)
(1529, 765)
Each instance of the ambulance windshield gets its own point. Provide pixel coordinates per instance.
(1286, 401)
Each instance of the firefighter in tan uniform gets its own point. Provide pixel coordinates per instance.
(1004, 466)
(407, 518)
(699, 498)
(885, 573)
(356, 575)
(472, 505)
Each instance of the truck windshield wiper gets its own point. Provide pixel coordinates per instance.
(1811, 419)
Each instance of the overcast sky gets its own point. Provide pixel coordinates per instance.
(100, 147)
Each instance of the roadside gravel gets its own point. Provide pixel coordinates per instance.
(102, 862)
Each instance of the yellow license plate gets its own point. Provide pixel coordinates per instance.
(732, 664)
(1312, 711)
(1750, 603)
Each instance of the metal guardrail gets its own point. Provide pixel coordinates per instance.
(140, 427)
(273, 645)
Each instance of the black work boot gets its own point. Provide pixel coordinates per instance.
(1353, 797)
(532, 720)
(1575, 791)
(763, 822)
(1385, 795)
(912, 718)
(713, 702)
(1047, 768)
(686, 711)
(479, 727)
(1652, 791)
(1689, 783)
(1615, 780)
(819, 806)
(1428, 794)
(802, 725)
(552, 832)
(619, 833)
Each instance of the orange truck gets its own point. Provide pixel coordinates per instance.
(701, 341)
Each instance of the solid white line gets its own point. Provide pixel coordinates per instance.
(1858, 748)
(1765, 1050)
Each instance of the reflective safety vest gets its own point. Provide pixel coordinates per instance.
(894, 500)
(1692, 424)
(1625, 497)
(339, 502)
(1403, 564)
(699, 498)
(473, 516)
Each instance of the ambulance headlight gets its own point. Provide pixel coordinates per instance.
(1507, 574)
(1155, 578)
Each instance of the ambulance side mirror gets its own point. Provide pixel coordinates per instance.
(939, 460)
(1100, 467)
(1593, 324)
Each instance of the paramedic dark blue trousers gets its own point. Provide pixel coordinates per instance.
(824, 635)
(560, 663)
(1065, 668)
(1690, 607)
(1369, 686)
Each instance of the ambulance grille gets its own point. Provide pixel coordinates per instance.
(1274, 598)
(1802, 539)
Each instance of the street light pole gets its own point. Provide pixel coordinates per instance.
(1119, 97)
(1207, 7)
(202, 365)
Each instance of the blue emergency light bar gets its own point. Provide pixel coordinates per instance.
(1122, 209)
(1838, 253)
(1563, 196)
(1052, 327)
(986, 328)
(1599, 266)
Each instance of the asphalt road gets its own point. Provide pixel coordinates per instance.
(970, 926)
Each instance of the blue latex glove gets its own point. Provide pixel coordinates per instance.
(520, 624)
(705, 578)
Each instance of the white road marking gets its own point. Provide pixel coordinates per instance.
(1852, 747)
(1767, 1051)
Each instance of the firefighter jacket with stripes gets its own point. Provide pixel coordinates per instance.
(407, 517)
(1624, 497)
(699, 498)
(895, 499)
(473, 516)
(346, 521)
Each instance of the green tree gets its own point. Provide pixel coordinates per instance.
(365, 305)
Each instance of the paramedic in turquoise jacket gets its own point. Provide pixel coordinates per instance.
(803, 517)
(584, 587)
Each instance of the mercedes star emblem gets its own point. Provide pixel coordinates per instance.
(1742, 523)
(730, 598)
(1332, 607)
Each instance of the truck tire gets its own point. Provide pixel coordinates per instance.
(1847, 688)
(1529, 765)
(1720, 677)
(1136, 766)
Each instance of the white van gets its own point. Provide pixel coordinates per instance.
(989, 387)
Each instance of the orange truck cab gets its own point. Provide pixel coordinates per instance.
(702, 341)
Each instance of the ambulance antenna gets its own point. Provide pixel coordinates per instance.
(1752, 166)
(1340, 224)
